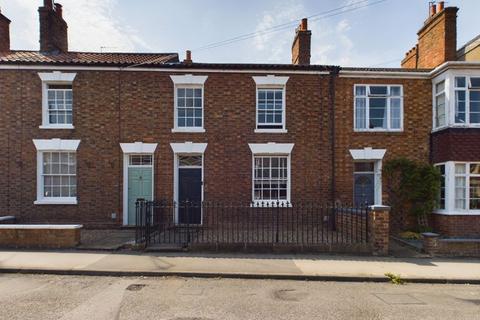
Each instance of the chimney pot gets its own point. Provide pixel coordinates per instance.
(440, 6)
(433, 9)
(304, 24)
(59, 10)
(48, 4)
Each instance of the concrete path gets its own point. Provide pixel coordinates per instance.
(314, 267)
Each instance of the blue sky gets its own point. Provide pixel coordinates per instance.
(377, 35)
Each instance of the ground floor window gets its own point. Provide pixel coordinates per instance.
(460, 187)
(271, 174)
(59, 174)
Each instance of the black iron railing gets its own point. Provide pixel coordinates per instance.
(214, 223)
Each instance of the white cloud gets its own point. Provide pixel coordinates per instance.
(92, 25)
(331, 43)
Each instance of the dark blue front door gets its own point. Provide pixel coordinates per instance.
(190, 195)
(364, 189)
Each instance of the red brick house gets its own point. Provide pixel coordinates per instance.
(86, 134)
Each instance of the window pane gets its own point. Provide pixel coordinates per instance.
(439, 87)
(475, 83)
(460, 168)
(59, 174)
(460, 82)
(460, 193)
(474, 193)
(395, 91)
(364, 166)
(440, 115)
(475, 168)
(460, 106)
(378, 113)
(395, 113)
(360, 113)
(360, 91)
(378, 90)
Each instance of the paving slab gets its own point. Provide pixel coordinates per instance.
(320, 267)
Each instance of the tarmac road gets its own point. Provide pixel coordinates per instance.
(88, 297)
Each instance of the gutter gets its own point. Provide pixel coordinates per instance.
(333, 74)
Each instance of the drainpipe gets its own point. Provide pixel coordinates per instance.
(333, 75)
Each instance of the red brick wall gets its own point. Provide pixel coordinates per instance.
(412, 143)
(437, 40)
(456, 144)
(113, 107)
(457, 226)
(4, 34)
(301, 47)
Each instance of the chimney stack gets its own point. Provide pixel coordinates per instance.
(302, 44)
(437, 39)
(53, 29)
(188, 57)
(4, 33)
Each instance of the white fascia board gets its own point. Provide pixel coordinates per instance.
(189, 79)
(270, 80)
(368, 154)
(271, 148)
(139, 147)
(188, 147)
(56, 145)
(57, 76)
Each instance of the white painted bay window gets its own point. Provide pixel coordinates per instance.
(378, 108)
(460, 188)
(467, 100)
(440, 110)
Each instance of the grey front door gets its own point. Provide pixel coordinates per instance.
(364, 189)
(190, 195)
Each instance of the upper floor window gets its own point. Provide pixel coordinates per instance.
(188, 103)
(467, 100)
(270, 109)
(60, 101)
(57, 100)
(189, 107)
(440, 111)
(378, 108)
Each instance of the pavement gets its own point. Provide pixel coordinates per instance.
(264, 266)
(45, 297)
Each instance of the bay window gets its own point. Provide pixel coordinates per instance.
(467, 100)
(378, 108)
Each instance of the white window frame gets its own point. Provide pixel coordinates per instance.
(444, 176)
(450, 88)
(445, 104)
(188, 81)
(271, 82)
(466, 89)
(54, 78)
(450, 189)
(367, 106)
(272, 149)
(53, 145)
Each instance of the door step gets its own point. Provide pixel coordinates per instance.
(165, 247)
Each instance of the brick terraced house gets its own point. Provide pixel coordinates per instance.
(83, 135)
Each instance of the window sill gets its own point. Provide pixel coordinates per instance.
(62, 126)
(271, 131)
(187, 130)
(377, 130)
(458, 212)
(460, 126)
(59, 201)
(271, 204)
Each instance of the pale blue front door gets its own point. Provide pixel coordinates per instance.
(139, 187)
